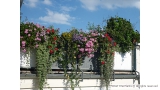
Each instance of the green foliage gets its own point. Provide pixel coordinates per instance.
(42, 64)
(122, 32)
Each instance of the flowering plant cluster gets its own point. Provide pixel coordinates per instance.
(70, 48)
(107, 49)
(86, 43)
(53, 42)
(31, 35)
(46, 43)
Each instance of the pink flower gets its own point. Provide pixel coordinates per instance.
(23, 43)
(91, 43)
(81, 49)
(95, 40)
(24, 50)
(37, 34)
(35, 29)
(26, 31)
(93, 34)
(87, 45)
(29, 35)
(38, 25)
(92, 39)
(84, 39)
(86, 49)
(89, 50)
(37, 45)
(21, 37)
(91, 55)
(38, 39)
(78, 45)
(103, 36)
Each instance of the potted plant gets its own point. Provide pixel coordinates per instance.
(31, 35)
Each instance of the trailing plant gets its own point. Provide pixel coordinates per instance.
(69, 59)
(47, 54)
(106, 49)
(42, 64)
(123, 33)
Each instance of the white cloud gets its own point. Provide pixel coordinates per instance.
(92, 5)
(47, 2)
(67, 9)
(31, 3)
(56, 17)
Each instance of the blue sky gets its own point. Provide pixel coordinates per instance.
(65, 14)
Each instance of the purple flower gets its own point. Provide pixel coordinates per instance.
(76, 37)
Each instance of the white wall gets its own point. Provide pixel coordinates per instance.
(87, 84)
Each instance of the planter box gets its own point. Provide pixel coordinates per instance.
(121, 62)
(27, 60)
